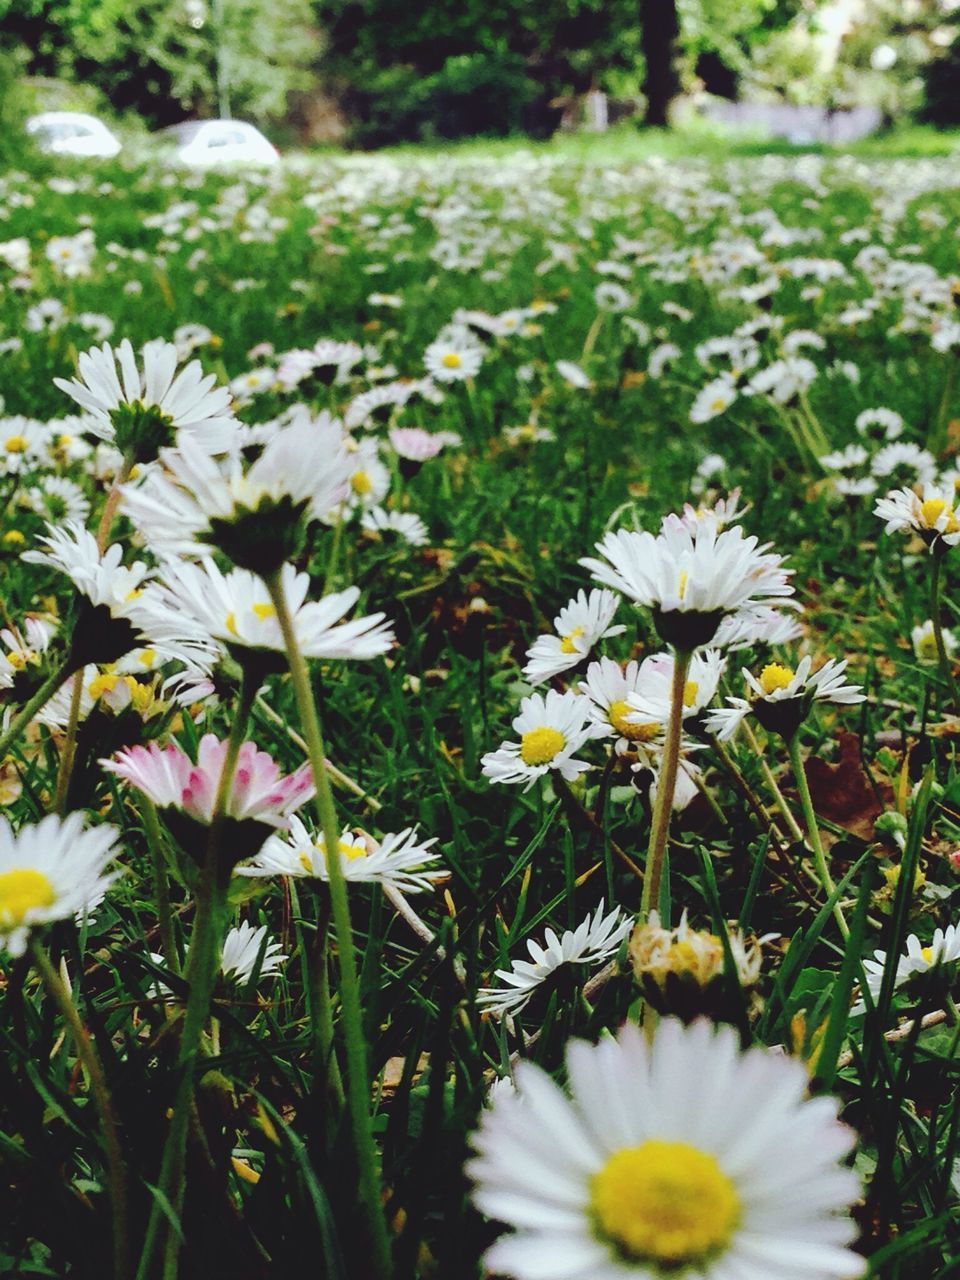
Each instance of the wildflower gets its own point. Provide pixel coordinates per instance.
(681, 1156)
(50, 870)
(400, 859)
(454, 356)
(579, 625)
(929, 513)
(608, 687)
(925, 643)
(917, 959)
(247, 951)
(140, 410)
(595, 940)
(781, 697)
(691, 579)
(551, 730)
(713, 399)
(403, 524)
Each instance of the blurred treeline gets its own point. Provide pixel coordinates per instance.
(381, 71)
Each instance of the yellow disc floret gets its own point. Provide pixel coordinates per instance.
(617, 715)
(360, 483)
(690, 690)
(567, 644)
(540, 746)
(21, 890)
(774, 677)
(935, 510)
(15, 444)
(451, 360)
(664, 1202)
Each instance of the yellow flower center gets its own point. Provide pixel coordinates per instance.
(14, 536)
(539, 746)
(15, 444)
(617, 715)
(64, 440)
(665, 1202)
(690, 693)
(264, 610)
(102, 684)
(22, 890)
(718, 405)
(567, 642)
(774, 677)
(932, 509)
(349, 851)
(451, 360)
(147, 658)
(681, 589)
(360, 483)
(927, 953)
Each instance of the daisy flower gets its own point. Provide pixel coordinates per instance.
(579, 625)
(573, 375)
(925, 642)
(139, 407)
(454, 356)
(691, 578)
(879, 424)
(607, 688)
(50, 870)
(594, 941)
(235, 610)
(404, 524)
(400, 859)
(943, 949)
(682, 1156)
(253, 514)
(649, 701)
(929, 513)
(551, 729)
(413, 444)
(906, 464)
(368, 479)
(715, 398)
(247, 951)
(171, 779)
(780, 697)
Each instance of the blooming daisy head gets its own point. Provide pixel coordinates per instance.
(924, 642)
(594, 941)
(579, 625)
(405, 525)
(248, 951)
(551, 729)
(456, 355)
(692, 579)
(916, 960)
(649, 701)
(141, 407)
(678, 1156)
(400, 859)
(781, 697)
(930, 513)
(50, 870)
(608, 687)
(259, 797)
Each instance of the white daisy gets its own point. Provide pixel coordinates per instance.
(400, 859)
(454, 356)
(247, 951)
(50, 870)
(879, 424)
(405, 524)
(905, 463)
(117, 394)
(925, 642)
(929, 513)
(608, 687)
(781, 697)
(713, 399)
(944, 948)
(683, 1156)
(691, 579)
(579, 626)
(594, 941)
(650, 699)
(551, 730)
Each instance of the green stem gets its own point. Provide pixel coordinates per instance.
(69, 749)
(30, 708)
(793, 827)
(666, 786)
(101, 1100)
(946, 671)
(110, 506)
(358, 1088)
(202, 963)
(813, 831)
(331, 569)
(161, 884)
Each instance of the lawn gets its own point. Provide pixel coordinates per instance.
(453, 376)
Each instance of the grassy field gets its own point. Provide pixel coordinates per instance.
(605, 330)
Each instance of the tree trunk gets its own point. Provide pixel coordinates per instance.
(661, 85)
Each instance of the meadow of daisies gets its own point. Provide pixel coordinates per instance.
(479, 719)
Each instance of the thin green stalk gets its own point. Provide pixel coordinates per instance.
(31, 707)
(161, 885)
(203, 959)
(793, 827)
(69, 749)
(116, 1175)
(331, 569)
(666, 786)
(813, 831)
(110, 506)
(358, 1089)
(946, 671)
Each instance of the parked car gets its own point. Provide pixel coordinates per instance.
(72, 133)
(200, 143)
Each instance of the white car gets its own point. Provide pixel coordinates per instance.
(202, 143)
(72, 133)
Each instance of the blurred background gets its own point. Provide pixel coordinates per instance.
(370, 73)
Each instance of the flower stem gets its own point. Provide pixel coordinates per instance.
(813, 831)
(202, 963)
(666, 786)
(110, 506)
(358, 1089)
(35, 704)
(161, 884)
(87, 1054)
(69, 749)
(946, 671)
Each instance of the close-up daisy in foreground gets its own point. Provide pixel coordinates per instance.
(50, 870)
(682, 1157)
